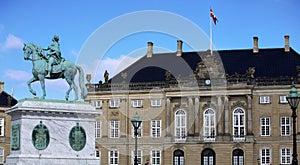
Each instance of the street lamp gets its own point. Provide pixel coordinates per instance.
(293, 98)
(136, 122)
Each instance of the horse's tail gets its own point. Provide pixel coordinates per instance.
(81, 82)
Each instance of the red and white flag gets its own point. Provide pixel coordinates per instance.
(212, 15)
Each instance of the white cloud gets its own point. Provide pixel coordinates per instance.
(12, 42)
(17, 75)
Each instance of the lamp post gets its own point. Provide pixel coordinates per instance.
(293, 98)
(136, 122)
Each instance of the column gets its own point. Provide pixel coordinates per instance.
(226, 109)
(249, 102)
(168, 121)
(191, 117)
(197, 113)
(219, 115)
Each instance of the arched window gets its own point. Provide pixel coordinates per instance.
(209, 124)
(238, 157)
(180, 125)
(238, 124)
(178, 157)
(208, 157)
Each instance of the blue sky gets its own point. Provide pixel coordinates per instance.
(76, 22)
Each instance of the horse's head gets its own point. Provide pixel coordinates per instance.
(27, 49)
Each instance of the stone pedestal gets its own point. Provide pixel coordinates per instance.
(48, 132)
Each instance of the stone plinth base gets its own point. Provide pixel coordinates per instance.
(59, 118)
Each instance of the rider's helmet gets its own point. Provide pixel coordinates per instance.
(55, 38)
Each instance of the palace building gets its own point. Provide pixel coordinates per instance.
(6, 102)
(222, 107)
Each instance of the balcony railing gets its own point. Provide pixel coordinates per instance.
(192, 83)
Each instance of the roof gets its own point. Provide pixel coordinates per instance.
(7, 100)
(268, 63)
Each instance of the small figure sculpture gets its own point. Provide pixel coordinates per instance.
(54, 56)
(106, 75)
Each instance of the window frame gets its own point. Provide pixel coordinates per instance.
(98, 132)
(265, 99)
(113, 129)
(287, 127)
(208, 126)
(240, 127)
(97, 103)
(286, 157)
(155, 158)
(180, 129)
(264, 127)
(2, 126)
(137, 103)
(155, 130)
(281, 100)
(155, 102)
(139, 130)
(263, 158)
(114, 103)
(139, 157)
(237, 154)
(113, 158)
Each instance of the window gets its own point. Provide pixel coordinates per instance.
(265, 155)
(139, 131)
(139, 157)
(137, 103)
(264, 100)
(97, 154)
(180, 125)
(285, 126)
(2, 126)
(98, 129)
(285, 156)
(238, 124)
(178, 157)
(114, 128)
(155, 102)
(238, 157)
(155, 157)
(97, 103)
(282, 99)
(208, 157)
(113, 157)
(265, 129)
(209, 125)
(114, 103)
(155, 128)
(1, 155)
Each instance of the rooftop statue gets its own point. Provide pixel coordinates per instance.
(53, 66)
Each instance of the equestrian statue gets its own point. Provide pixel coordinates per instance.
(53, 66)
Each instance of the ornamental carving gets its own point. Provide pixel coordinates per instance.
(209, 105)
(239, 104)
(40, 136)
(77, 138)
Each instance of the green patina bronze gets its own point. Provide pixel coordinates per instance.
(40, 136)
(15, 137)
(53, 66)
(77, 138)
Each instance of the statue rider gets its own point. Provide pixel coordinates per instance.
(54, 55)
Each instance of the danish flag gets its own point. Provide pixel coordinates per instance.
(212, 15)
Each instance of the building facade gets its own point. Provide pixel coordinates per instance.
(225, 107)
(6, 102)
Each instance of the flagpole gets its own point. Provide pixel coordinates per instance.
(210, 36)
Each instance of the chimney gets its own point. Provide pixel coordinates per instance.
(1, 86)
(179, 48)
(255, 47)
(150, 50)
(286, 43)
